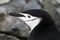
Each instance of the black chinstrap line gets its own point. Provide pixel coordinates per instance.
(12, 34)
(31, 20)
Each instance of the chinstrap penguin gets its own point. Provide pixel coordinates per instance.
(46, 29)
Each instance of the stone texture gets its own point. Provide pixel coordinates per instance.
(4, 1)
(14, 5)
(7, 37)
(58, 1)
(13, 26)
(32, 4)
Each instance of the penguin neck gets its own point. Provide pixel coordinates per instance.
(43, 26)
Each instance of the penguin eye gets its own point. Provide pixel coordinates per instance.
(29, 16)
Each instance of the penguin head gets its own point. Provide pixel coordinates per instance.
(29, 19)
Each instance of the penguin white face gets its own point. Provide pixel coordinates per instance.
(27, 17)
(30, 20)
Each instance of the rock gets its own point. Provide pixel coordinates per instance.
(27, 1)
(14, 5)
(2, 10)
(7, 37)
(14, 25)
(4, 1)
(32, 4)
(58, 10)
(58, 1)
(41, 1)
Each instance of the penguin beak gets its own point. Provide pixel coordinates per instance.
(16, 14)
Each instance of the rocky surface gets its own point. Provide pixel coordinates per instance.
(7, 37)
(13, 26)
(32, 4)
(4, 1)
